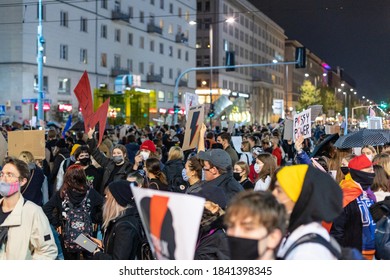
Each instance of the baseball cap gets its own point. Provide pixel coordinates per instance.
(217, 157)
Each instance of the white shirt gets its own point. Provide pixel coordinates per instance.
(263, 185)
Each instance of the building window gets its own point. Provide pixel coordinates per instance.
(83, 56)
(43, 12)
(179, 12)
(45, 83)
(207, 6)
(117, 35)
(64, 52)
(130, 39)
(170, 96)
(103, 4)
(141, 17)
(199, 6)
(152, 46)
(161, 48)
(170, 51)
(179, 53)
(130, 65)
(151, 68)
(64, 86)
(162, 4)
(103, 60)
(161, 71)
(171, 8)
(64, 19)
(141, 67)
(141, 42)
(103, 31)
(83, 24)
(186, 56)
(131, 12)
(170, 73)
(161, 96)
(117, 61)
(198, 61)
(152, 2)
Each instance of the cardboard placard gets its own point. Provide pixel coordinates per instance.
(237, 141)
(194, 122)
(191, 101)
(332, 129)
(27, 140)
(3, 148)
(302, 125)
(288, 130)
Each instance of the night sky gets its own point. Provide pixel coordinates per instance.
(352, 34)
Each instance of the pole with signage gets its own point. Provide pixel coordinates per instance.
(41, 42)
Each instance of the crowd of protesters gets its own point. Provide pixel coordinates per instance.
(260, 203)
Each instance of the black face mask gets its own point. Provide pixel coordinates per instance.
(237, 176)
(365, 179)
(243, 248)
(85, 161)
(344, 170)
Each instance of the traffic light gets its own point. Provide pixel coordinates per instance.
(176, 109)
(230, 61)
(300, 57)
(383, 105)
(211, 112)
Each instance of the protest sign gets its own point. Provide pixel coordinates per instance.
(237, 140)
(332, 129)
(171, 234)
(194, 122)
(27, 140)
(91, 118)
(302, 125)
(288, 130)
(3, 148)
(191, 101)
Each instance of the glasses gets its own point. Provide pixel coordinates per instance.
(8, 175)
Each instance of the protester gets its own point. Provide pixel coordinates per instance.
(25, 230)
(212, 242)
(224, 138)
(240, 173)
(137, 179)
(193, 174)
(369, 151)
(36, 189)
(381, 183)
(146, 150)
(246, 155)
(131, 147)
(121, 224)
(174, 166)
(74, 193)
(265, 167)
(256, 223)
(348, 228)
(217, 167)
(157, 179)
(276, 150)
(115, 168)
(310, 197)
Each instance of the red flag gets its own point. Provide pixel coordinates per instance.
(91, 118)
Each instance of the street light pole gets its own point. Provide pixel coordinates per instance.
(211, 71)
(41, 42)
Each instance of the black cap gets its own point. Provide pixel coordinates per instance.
(121, 191)
(61, 143)
(217, 157)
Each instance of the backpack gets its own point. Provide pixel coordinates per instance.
(76, 220)
(341, 253)
(144, 251)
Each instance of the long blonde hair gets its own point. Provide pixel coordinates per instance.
(111, 209)
(175, 152)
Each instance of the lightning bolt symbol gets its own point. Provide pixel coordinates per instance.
(194, 125)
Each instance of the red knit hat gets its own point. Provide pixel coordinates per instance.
(148, 145)
(360, 162)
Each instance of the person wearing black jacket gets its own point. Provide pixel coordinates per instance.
(115, 168)
(75, 188)
(121, 224)
(173, 168)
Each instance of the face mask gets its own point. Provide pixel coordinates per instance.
(244, 248)
(85, 161)
(257, 168)
(143, 140)
(8, 189)
(117, 159)
(365, 179)
(344, 170)
(184, 175)
(31, 166)
(370, 157)
(145, 155)
(237, 176)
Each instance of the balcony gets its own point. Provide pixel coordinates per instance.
(118, 15)
(183, 83)
(181, 38)
(116, 71)
(152, 78)
(152, 28)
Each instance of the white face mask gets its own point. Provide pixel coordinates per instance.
(184, 174)
(370, 157)
(257, 168)
(145, 155)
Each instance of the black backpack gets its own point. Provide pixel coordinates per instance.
(76, 220)
(144, 251)
(341, 253)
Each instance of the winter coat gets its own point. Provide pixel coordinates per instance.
(122, 237)
(109, 165)
(132, 149)
(33, 189)
(173, 170)
(62, 154)
(29, 234)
